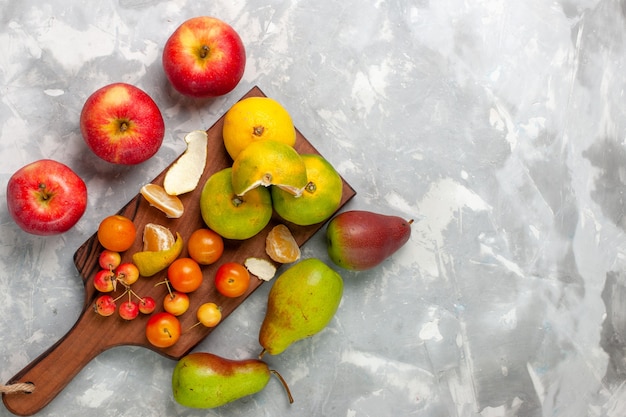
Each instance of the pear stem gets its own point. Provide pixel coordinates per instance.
(262, 353)
(284, 383)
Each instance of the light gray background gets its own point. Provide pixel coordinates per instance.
(498, 125)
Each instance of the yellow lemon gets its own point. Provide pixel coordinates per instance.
(253, 119)
(151, 262)
(232, 216)
(320, 198)
(269, 163)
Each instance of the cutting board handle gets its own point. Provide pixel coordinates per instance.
(55, 368)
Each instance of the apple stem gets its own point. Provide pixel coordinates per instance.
(284, 383)
(204, 51)
(45, 195)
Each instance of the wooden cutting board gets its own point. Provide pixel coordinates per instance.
(93, 334)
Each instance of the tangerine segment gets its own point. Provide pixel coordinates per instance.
(151, 262)
(281, 246)
(116, 233)
(253, 119)
(159, 198)
(269, 163)
(157, 237)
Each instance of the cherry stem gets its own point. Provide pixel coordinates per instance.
(122, 295)
(195, 325)
(167, 284)
(135, 294)
(284, 383)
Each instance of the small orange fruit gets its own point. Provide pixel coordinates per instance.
(266, 163)
(167, 203)
(255, 119)
(231, 216)
(281, 246)
(205, 246)
(117, 233)
(319, 200)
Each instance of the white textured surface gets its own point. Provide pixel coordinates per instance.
(498, 125)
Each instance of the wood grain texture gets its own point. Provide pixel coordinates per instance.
(93, 334)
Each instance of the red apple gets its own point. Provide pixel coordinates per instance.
(122, 124)
(46, 197)
(204, 57)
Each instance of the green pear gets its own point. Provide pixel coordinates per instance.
(205, 380)
(301, 303)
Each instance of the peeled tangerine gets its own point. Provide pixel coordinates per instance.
(151, 262)
(301, 303)
(205, 380)
(157, 237)
(266, 163)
